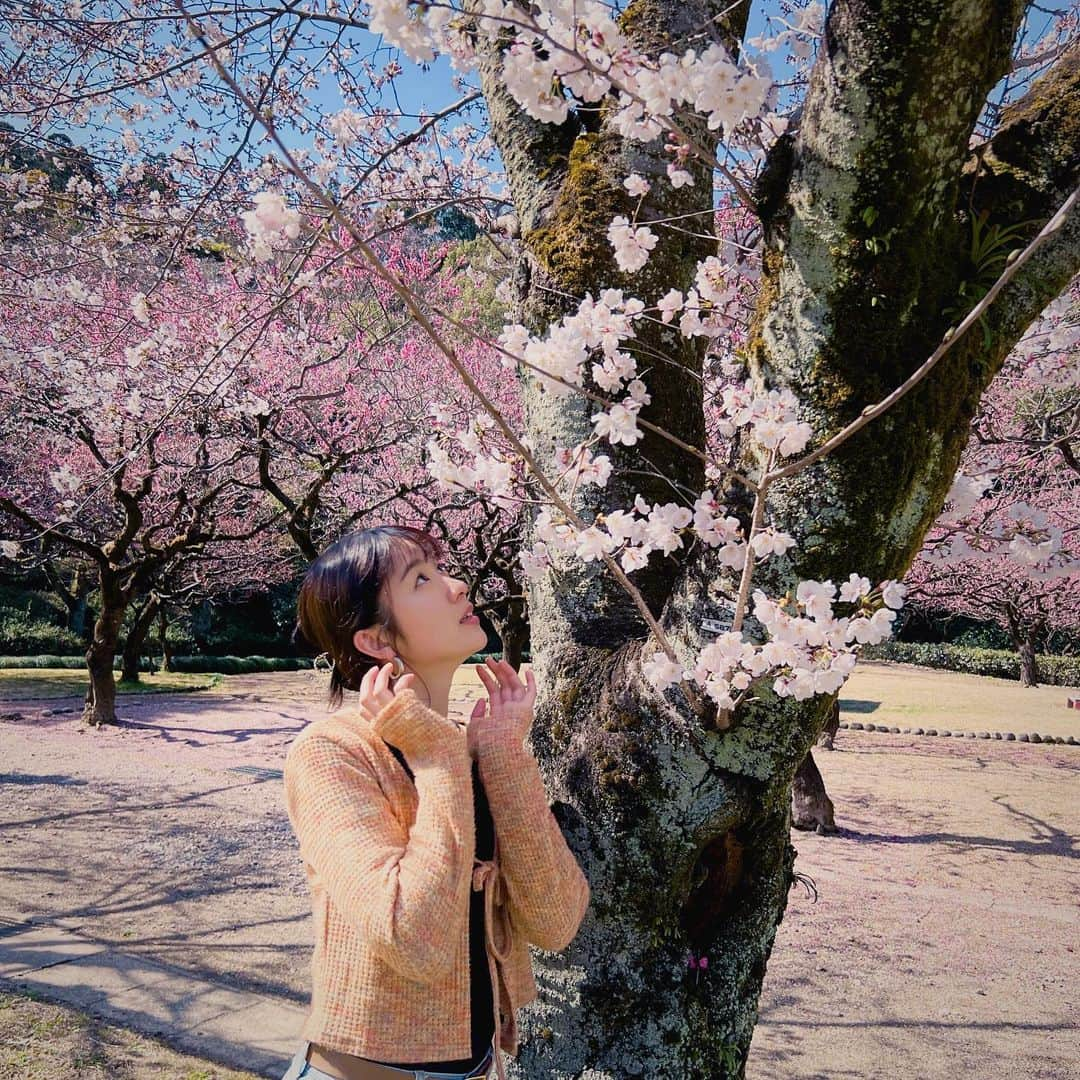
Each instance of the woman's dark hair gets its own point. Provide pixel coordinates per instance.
(342, 592)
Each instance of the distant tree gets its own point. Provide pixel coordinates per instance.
(122, 445)
(1007, 546)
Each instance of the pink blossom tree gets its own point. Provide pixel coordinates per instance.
(346, 397)
(122, 447)
(1006, 548)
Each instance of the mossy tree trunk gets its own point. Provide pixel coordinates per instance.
(687, 847)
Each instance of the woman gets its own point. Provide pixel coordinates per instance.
(430, 850)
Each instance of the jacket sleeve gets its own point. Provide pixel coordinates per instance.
(547, 889)
(404, 891)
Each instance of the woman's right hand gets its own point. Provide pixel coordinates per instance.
(376, 692)
(414, 732)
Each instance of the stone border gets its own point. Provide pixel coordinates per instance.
(1005, 736)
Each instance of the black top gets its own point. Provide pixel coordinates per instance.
(483, 1020)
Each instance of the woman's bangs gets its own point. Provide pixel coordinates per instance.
(402, 550)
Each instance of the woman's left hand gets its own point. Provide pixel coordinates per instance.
(509, 708)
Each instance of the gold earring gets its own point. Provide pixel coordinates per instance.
(399, 668)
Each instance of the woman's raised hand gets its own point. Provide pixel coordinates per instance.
(376, 692)
(508, 711)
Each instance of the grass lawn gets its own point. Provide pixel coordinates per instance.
(906, 695)
(21, 684)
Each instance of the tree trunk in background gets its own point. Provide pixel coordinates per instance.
(513, 631)
(81, 619)
(832, 726)
(688, 847)
(1025, 640)
(79, 615)
(163, 641)
(811, 807)
(100, 704)
(136, 639)
(1029, 663)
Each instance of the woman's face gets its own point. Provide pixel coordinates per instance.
(428, 606)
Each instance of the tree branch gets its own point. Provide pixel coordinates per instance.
(1024, 173)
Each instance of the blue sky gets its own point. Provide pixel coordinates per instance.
(432, 90)
(418, 90)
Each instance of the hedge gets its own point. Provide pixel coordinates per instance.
(21, 634)
(999, 663)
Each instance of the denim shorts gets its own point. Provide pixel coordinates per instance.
(302, 1069)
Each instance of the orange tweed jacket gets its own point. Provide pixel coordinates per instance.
(391, 863)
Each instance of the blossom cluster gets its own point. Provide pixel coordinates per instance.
(270, 224)
(491, 474)
(810, 650)
(604, 323)
(632, 244)
(579, 46)
(1021, 532)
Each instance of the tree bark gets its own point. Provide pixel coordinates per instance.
(163, 641)
(1029, 664)
(1025, 639)
(513, 633)
(688, 849)
(79, 620)
(811, 807)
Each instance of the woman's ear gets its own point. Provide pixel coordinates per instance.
(367, 642)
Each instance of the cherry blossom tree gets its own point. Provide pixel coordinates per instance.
(1007, 546)
(121, 448)
(346, 398)
(695, 605)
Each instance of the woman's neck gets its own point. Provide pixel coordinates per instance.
(432, 686)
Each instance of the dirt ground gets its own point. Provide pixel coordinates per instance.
(942, 944)
(41, 1040)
